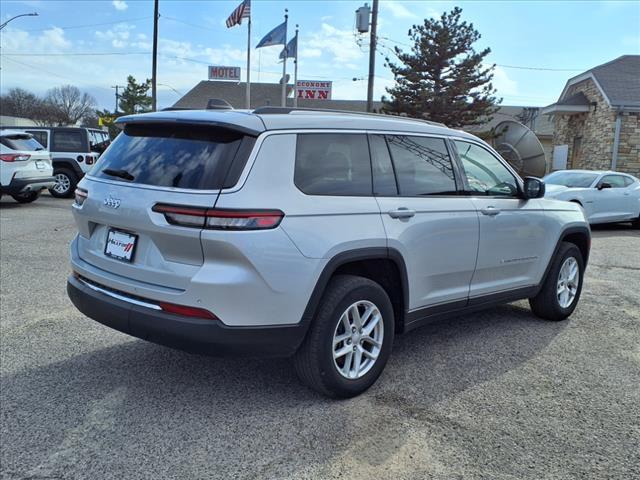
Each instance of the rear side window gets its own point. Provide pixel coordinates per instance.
(40, 136)
(191, 157)
(616, 181)
(333, 164)
(628, 181)
(67, 141)
(423, 165)
(21, 142)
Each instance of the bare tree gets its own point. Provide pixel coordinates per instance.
(20, 103)
(71, 103)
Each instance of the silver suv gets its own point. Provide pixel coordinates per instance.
(314, 235)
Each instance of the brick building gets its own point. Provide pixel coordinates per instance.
(597, 119)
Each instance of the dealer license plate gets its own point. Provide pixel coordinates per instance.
(120, 245)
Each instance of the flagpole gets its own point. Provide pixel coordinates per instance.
(249, 64)
(284, 63)
(295, 73)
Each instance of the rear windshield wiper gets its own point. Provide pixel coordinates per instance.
(118, 173)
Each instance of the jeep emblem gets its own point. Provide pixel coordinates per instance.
(111, 202)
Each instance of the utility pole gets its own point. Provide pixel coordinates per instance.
(117, 96)
(154, 68)
(372, 55)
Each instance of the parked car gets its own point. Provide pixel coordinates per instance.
(313, 235)
(605, 196)
(25, 166)
(74, 151)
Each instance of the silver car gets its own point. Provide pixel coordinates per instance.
(312, 235)
(605, 196)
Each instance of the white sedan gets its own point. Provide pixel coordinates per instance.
(604, 196)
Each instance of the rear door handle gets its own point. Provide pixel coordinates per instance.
(491, 211)
(401, 212)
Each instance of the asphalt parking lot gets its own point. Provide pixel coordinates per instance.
(496, 395)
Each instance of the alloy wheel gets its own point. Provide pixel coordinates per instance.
(568, 280)
(63, 184)
(357, 339)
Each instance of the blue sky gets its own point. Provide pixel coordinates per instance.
(564, 37)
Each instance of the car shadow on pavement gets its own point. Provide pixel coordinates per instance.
(135, 393)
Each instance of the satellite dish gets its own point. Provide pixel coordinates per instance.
(520, 147)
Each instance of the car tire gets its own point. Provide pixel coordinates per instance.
(26, 197)
(561, 290)
(315, 361)
(66, 181)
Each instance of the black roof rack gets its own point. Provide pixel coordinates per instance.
(285, 110)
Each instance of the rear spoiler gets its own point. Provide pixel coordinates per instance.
(238, 121)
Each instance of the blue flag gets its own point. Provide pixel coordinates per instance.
(291, 49)
(277, 36)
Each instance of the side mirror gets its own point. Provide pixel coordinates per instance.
(533, 188)
(603, 185)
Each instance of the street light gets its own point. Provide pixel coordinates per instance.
(34, 14)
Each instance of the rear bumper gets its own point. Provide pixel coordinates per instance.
(209, 337)
(32, 184)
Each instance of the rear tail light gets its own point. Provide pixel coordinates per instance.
(80, 196)
(220, 219)
(13, 157)
(187, 311)
(88, 160)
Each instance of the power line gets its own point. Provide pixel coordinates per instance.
(71, 54)
(40, 70)
(518, 67)
(186, 23)
(71, 27)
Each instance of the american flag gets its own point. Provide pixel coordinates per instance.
(243, 11)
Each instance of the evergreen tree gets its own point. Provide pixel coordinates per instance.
(134, 98)
(443, 78)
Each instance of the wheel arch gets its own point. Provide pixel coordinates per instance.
(69, 163)
(383, 265)
(580, 236)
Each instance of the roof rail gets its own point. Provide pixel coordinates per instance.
(285, 110)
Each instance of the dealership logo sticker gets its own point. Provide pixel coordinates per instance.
(111, 202)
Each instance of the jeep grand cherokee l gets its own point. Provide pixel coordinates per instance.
(318, 236)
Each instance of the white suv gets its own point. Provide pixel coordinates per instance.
(313, 235)
(25, 166)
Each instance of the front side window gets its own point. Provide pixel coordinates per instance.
(486, 175)
(384, 178)
(67, 141)
(616, 181)
(333, 164)
(423, 165)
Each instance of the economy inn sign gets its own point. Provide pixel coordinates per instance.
(312, 89)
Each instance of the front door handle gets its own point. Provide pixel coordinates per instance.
(401, 212)
(491, 211)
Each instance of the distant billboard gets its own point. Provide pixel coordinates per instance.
(219, 72)
(313, 89)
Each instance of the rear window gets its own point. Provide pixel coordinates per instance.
(179, 156)
(67, 141)
(21, 142)
(40, 136)
(333, 164)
